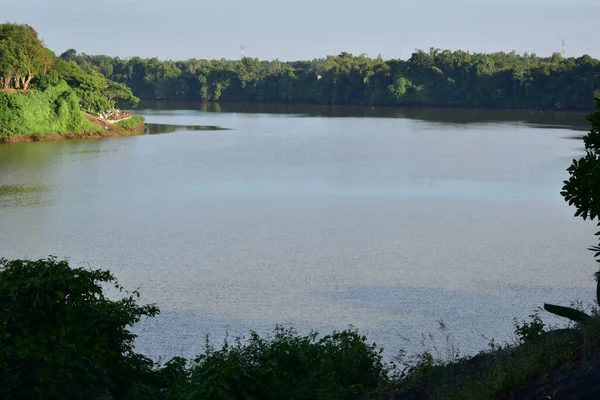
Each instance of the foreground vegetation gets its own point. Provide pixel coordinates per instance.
(43, 96)
(61, 338)
(428, 78)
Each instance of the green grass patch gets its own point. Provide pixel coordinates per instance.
(131, 123)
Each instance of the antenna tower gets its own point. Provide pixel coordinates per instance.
(563, 49)
(242, 50)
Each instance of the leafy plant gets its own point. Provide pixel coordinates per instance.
(289, 366)
(582, 190)
(61, 338)
(530, 331)
(54, 110)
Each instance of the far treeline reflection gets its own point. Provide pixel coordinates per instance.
(436, 77)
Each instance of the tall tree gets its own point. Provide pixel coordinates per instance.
(22, 55)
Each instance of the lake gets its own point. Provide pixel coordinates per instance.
(239, 217)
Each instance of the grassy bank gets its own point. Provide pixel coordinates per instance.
(542, 363)
(54, 114)
(133, 125)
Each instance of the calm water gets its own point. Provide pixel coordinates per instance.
(242, 217)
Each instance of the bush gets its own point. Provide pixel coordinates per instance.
(55, 110)
(289, 366)
(61, 338)
(11, 114)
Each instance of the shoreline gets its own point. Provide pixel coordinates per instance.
(109, 130)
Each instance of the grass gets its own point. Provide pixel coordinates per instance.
(503, 370)
(132, 123)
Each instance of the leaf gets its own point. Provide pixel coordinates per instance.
(568, 312)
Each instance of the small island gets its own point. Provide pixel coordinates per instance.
(43, 97)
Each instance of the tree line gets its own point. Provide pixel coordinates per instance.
(428, 78)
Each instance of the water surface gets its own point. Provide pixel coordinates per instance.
(243, 217)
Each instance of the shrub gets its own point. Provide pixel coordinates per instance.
(289, 366)
(530, 331)
(11, 114)
(61, 338)
(55, 110)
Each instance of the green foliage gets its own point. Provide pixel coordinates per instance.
(55, 110)
(60, 337)
(11, 114)
(582, 190)
(51, 108)
(529, 332)
(131, 123)
(289, 366)
(22, 56)
(97, 95)
(116, 90)
(436, 77)
(499, 373)
(568, 312)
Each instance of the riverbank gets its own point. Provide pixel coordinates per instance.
(127, 127)
(555, 364)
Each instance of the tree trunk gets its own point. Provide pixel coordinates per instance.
(17, 82)
(27, 81)
(7, 80)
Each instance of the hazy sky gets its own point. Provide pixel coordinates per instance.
(182, 29)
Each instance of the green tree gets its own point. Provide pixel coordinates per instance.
(119, 91)
(435, 77)
(61, 338)
(22, 55)
(582, 190)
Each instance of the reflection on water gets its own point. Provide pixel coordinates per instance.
(154, 129)
(22, 194)
(538, 118)
(11, 190)
(91, 151)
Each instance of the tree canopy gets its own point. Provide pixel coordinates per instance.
(22, 56)
(435, 77)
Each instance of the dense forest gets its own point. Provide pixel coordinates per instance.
(43, 94)
(428, 78)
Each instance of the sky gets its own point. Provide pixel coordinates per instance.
(307, 29)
